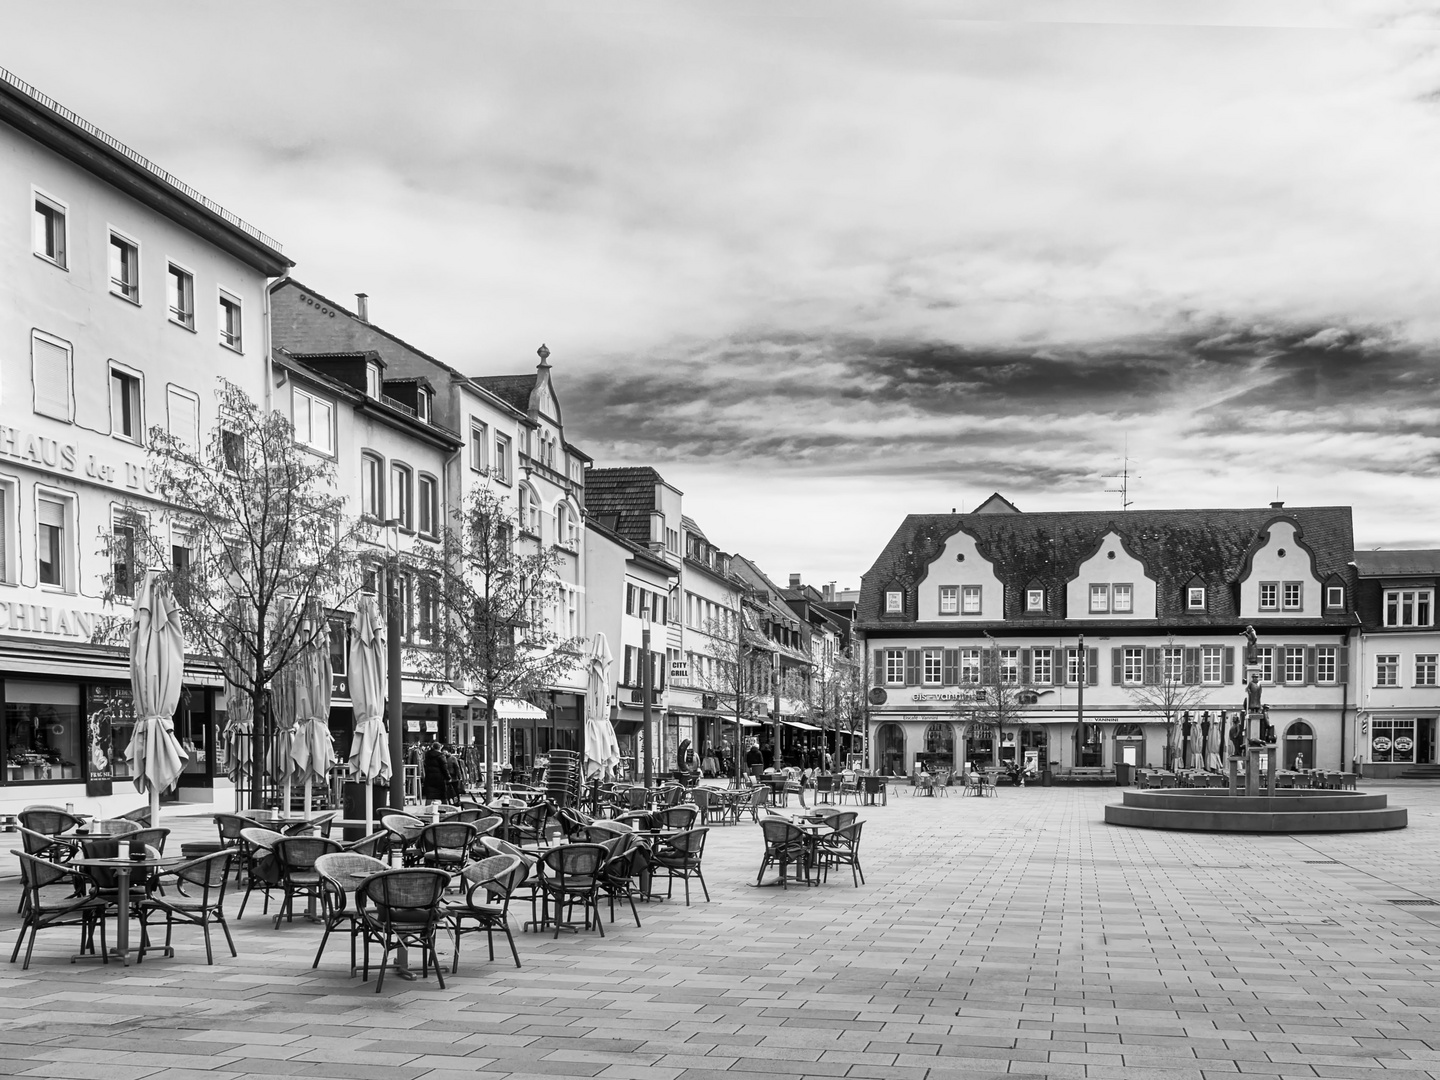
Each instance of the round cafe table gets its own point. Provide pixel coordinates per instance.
(122, 868)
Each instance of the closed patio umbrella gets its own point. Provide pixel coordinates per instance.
(1212, 743)
(1177, 747)
(370, 750)
(282, 712)
(157, 670)
(602, 748)
(239, 730)
(313, 751)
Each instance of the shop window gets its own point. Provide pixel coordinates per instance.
(42, 732)
(1392, 741)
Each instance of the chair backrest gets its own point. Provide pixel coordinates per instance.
(670, 796)
(601, 831)
(844, 819)
(486, 825)
(468, 815)
(824, 783)
(369, 846)
(850, 834)
(149, 837)
(636, 797)
(572, 821)
(780, 832)
(701, 797)
(448, 835)
(627, 863)
(402, 825)
(140, 815)
(230, 825)
(208, 872)
(691, 843)
(410, 895)
(43, 819)
(263, 839)
(678, 817)
(572, 862)
(36, 874)
(345, 870)
(100, 847)
(115, 827)
(300, 852)
(495, 873)
(35, 843)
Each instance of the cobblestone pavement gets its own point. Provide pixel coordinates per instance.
(996, 937)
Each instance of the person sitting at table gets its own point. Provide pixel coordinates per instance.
(755, 758)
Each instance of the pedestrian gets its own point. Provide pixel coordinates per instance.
(454, 781)
(709, 763)
(755, 759)
(433, 774)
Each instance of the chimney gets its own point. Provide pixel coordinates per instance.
(1277, 505)
(362, 306)
(794, 581)
(827, 592)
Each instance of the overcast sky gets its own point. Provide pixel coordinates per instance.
(827, 264)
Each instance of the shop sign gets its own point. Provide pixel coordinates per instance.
(970, 696)
(1403, 744)
(412, 725)
(1381, 744)
(65, 458)
(340, 685)
(18, 618)
(679, 671)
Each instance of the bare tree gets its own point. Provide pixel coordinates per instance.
(998, 697)
(250, 532)
(732, 675)
(484, 601)
(1171, 687)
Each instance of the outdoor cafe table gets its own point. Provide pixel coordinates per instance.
(123, 867)
(813, 831)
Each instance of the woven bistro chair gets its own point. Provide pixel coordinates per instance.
(403, 909)
(341, 873)
(230, 826)
(532, 825)
(680, 856)
(48, 848)
(570, 874)
(627, 869)
(842, 848)
(486, 880)
(50, 822)
(785, 844)
(115, 827)
(444, 845)
(376, 845)
(140, 816)
(206, 874)
(601, 831)
(676, 817)
(50, 901)
(524, 885)
(403, 828)
(261, 870)
(295, 856)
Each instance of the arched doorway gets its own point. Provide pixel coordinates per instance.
(890, 750)
(939, 752)
(1129, 744)
(980, 744)
(1299, 742)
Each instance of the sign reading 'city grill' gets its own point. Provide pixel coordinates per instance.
(63, 457)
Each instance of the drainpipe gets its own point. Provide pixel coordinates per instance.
(1344, 701)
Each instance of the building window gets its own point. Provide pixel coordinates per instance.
(427, 611)
(1290, 595)
(970, 600)
(49, 228)
(1133, 670)
(949, 599)
(894, 602)
(529, 511)
(565, 526)
(1425, 669)
(1408, 607)
(122, 556)
(183, 417)
(1034, 599)
(1265, 661)
(1195, 598)
(422, 404)
(1099, 599)
(1122, 602)
(1212, 665)
(1392, 741)
(1074, 672)
(314, 421)
(1042, 670)
(1334, 596)
(1009, 666)
(1294, 663)
(1269, 596)
(125, 268)
(931, 673)
(374, 385)
(478, 445)
(125, 419)
(502, 458)
(894, 667)
(54, 563)
(400, 506)
(969, 666)
(50, 375)
(428, 506)
(9, 534)
(180, 285)
(1326, 664)
(1387, 670)
(1172, 665)
(232, 450)
(231, 322)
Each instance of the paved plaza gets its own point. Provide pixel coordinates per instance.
(1014, 936)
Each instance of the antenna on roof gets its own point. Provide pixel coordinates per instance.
(1124, 476)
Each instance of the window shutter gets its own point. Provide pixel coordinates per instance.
(1277, 665)
(1229, 676)
(1152, 667)
(1092, 667)
(51, 377)
(1024, 667)
(629, 663)
(184, 419)
(5, 512)
(1310, 665)
(1117, 667)
(1192, 666)
(988, 660)
(950, 667)
(912, 667)
(1342, 664)
(877, 674)
(629, 599)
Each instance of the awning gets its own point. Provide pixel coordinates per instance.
(801, 726)
(746, 723)
(511, 709)
(420, 692)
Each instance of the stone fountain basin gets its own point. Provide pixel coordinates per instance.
(1287, 811)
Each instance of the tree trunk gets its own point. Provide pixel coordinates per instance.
(260, 714)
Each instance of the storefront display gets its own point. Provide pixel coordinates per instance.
(43, 731)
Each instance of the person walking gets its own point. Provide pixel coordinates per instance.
(755, 759)
(434, 776)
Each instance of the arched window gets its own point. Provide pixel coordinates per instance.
(940, 739)
(401, 487)
(372, 486)
(565, 524)
(529, 511)
(890, 750)
(1299, 746)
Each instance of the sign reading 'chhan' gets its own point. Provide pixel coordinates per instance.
(17, 618)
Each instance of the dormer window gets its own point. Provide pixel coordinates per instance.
(894, 602)
(1334, 597)
(1121, 599)
(372, 380)
(1195, 598)
(422, 404)
(1035, 600)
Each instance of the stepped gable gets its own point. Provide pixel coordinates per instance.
(1174, 545)
(628, 494)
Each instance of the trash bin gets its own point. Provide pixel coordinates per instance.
(1124, 774)
(354, 803)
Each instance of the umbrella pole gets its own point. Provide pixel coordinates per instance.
(154, 807)
(307, 794)
(369, 807)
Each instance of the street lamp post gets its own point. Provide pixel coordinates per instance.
(1081, 668)
(775, 726)
(646, 681)
(393, 689)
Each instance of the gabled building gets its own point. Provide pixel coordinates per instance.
(1160, 598)
(1396, 690)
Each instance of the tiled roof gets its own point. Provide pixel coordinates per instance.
(1048, 549)
(1400, 563)
(628, 493)
(689, 525)
(514, 390)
